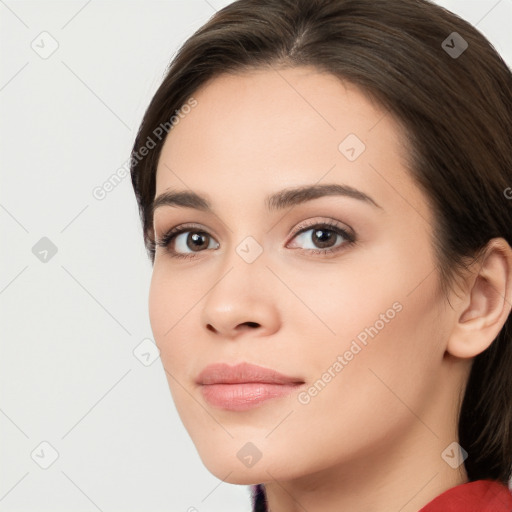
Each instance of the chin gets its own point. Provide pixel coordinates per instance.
(239, 469)
(237, 474)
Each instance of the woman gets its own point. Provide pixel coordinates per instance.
(324, 188)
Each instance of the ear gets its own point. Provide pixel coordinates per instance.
(487, 302)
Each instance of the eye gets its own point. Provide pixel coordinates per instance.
(186, 241)
(177, 240)
(323, 237)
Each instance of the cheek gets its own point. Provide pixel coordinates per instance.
(159, 304)
(170, 301)
(365, 400)
(387, 345)
(172, 295)
(168, 304)
(378, 305)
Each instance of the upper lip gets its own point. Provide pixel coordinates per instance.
(222, 373)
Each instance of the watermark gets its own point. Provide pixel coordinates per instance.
(146, 352)
(508, 192)
(159, 133)
(44, 250)
(454, 455)
(351, 147)
(249, 454)
(44, 455)
(249, 249)
(304, 397)
(45, 45)
(454, 45)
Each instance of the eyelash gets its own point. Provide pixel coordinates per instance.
(171, 234)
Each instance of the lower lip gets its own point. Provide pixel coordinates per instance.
(244, 396)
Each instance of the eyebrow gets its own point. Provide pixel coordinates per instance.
(277, 201)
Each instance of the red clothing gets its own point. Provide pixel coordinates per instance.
(478, 496)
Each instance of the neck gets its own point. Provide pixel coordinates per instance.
(404, 481)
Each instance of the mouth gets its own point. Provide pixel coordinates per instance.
(244, 396)
(244, 386)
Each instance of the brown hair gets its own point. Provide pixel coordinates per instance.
(456, 111)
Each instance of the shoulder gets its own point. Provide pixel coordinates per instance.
(477, 496)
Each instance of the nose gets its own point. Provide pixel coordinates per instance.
(240, 327)
(243, 299)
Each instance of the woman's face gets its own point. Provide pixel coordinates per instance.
(360, 324)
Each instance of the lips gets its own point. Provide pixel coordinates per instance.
(244, 386)
(221, 373)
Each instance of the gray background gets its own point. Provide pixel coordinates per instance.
(70, 324)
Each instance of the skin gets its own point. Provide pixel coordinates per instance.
(372, 438)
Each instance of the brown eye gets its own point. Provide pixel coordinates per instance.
(183, 242)
(323, 237)
(197, 240)
(188, 241)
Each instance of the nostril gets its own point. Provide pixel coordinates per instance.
(251, 324)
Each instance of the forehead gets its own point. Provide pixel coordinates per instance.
(270, 128)
(277, 107)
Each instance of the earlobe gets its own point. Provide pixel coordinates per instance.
(487, 304)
